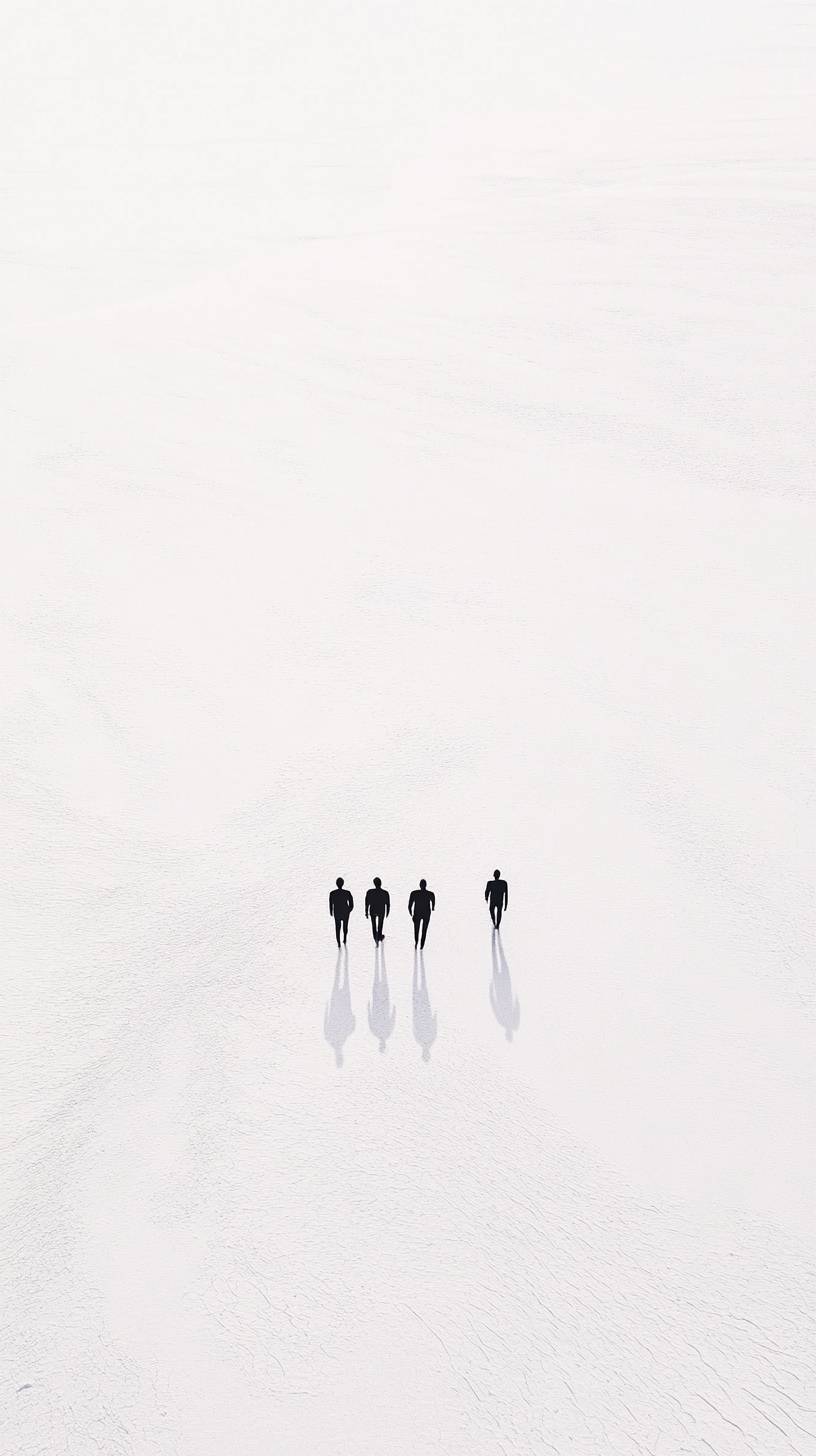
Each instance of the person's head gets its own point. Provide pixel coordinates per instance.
(423, 884)
(497, 874)
(339, 882)
(377, 883)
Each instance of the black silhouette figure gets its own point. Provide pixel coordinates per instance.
(420, 906)
(341, 904)
(381, 1014)
(339, 1020)
(424, 1017)
(377, 909)
(496, 896)
(506, 1007)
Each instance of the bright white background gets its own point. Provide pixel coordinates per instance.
(407, 435)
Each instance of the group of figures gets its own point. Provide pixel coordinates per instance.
(339, 1021)
(421, 905)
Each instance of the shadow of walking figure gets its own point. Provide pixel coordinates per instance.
(506, 1008)
(424, 1017)
(339, 1021)
(381, 1014)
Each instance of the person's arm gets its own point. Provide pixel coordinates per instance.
(387, 904)
(367, 901)
(331, 902)
(433, 899)
(350, 901)
(411, 900)
(505, 895)
(487, 890)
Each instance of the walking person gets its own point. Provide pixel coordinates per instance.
(496, 897)
(341, 904)
(377, 909)
(421, 905)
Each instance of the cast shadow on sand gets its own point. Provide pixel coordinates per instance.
(424, 1016)
(339, 1021)
(381, 1014)
(505, 1005)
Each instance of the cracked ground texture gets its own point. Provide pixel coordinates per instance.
(407, 450)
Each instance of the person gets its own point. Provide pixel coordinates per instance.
(420, 905)
(377, 908)
(381, 1014)
(496, 896)
(341, 904)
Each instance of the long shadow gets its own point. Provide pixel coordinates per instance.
(339, 1021)
(506, 1007)
(424, 1016)
(381, 1014)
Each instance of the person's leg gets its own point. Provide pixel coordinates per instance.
(345, 928)
(498, 915)
(416, 932)
(424, 931)
(337, 928)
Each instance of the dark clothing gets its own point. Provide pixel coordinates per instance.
(496, 895)
(341, 923)
(496, 892)
(421, 923)
(421, 903)
(377, 900)
(341, 904)
(377, 907)
(420, 906)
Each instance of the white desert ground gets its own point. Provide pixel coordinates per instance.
(407, 435)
